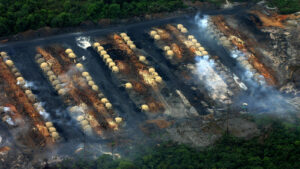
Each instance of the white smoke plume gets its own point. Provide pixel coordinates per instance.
(227, 4)
(214, 83)
(9, 121)
(6, 109)
(202, 21)
(269, 100)
(83, 42)
(19, 83)
(259, 96)
(31, 85)
(42, 111)
(250, 74)
(44, 114)
(236, 53)
(7, 118)
(241, 84)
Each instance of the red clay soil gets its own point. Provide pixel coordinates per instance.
(74, 94)
(21, 98)
(161, 123)
(136, 66)
(248, 46)
(85, 90)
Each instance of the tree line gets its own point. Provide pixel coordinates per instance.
(278, 147)
(21, 15)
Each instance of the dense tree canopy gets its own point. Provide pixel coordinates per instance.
(286, 6)
(277, 148)
(21, 15)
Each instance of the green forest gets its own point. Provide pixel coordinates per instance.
(278, 147)
(286, 6)
(21, 15)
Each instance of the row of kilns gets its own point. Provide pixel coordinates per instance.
(255, 70)
(132, 71)
(174, 48)
(9, 108)
(28, 100)
(230, 79)
(150, 76)
(172, 42)
(221, 80)
(66, 81)
(97, 98)
(217, 87)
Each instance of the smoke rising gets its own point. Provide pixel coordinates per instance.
(6, 109)
(236, 53)
(31, 85)
(42, 111)
(250, 74)
(83, 42)
(260, 97)
(214, 83)
(241, 84)
(227, 4)
(201, 21)
(9, 121)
